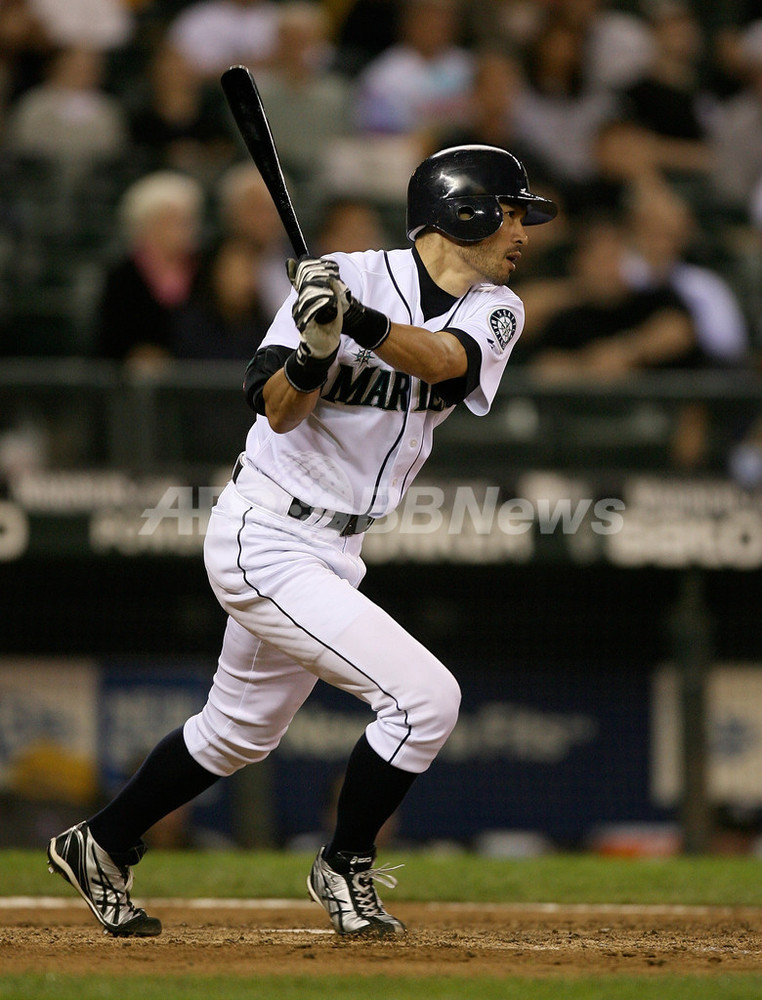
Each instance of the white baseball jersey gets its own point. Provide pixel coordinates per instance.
(371, 430)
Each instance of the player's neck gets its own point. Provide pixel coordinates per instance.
(444, 265)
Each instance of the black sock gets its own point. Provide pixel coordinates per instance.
(168, 778)
(371, 792)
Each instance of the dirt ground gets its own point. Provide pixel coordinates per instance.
(276, 937)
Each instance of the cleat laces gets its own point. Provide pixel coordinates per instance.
(365, 897)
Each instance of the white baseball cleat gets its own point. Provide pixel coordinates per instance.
(102, 880)
(349, 896)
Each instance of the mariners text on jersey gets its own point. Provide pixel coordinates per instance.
(382, 387)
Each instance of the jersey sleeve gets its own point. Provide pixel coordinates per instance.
(266, 362)
(493, 326)
(455, 390)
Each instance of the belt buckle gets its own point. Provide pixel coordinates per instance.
(300, 511)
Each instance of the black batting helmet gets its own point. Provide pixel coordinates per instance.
(458, 190)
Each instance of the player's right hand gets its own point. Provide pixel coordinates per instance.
(318, 340)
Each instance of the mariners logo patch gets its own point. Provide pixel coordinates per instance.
(503, 325)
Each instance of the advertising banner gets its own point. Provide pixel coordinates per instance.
(627, 521)
(734, 735)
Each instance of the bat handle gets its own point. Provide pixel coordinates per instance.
(327, 314)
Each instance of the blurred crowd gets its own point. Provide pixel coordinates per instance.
(133, 225)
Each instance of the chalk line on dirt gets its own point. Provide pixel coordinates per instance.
(581, 909)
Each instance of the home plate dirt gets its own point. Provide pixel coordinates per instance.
(244, 937)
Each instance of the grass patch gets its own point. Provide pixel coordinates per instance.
(730, 881)
(94, 987)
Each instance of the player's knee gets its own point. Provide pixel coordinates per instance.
(429, 720)
(448, 701)
(438, 703)
(223, 754)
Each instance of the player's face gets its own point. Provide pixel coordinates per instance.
(494, 259)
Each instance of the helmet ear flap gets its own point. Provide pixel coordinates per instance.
(470, 219)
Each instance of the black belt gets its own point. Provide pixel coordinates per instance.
(345, 524)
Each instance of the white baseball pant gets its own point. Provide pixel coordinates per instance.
(295, 616)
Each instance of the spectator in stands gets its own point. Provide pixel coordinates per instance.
(68, 119)
(490, 114)
(24, 46)
(749, 267)
(224, 318)
(144, 290)
(737, 132)
(507, 26)
(557, 116)
(245, 209)
(178, 121)
(365, 30)
(349, 225)
(97, 24)
(422, 83)
(598, 325)
(491, 119)
(667, 98)
(216, 34)
(661, 228)
(624, 159)
(726, 24)
(616, 43)
(308, 105)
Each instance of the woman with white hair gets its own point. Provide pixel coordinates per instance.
(161, 216)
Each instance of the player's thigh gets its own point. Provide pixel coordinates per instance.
(296, 602)
(338, 634)
(292, 591)
(256, 683)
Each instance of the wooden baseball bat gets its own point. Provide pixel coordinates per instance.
(249, 113)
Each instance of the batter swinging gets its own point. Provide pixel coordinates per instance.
(345, 415)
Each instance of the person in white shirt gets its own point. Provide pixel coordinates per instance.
(216, 34)
(422, 81)
(661, 227)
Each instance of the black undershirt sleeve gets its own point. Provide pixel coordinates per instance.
(265, 363)
(455, 390)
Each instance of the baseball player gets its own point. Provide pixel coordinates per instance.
(369, 353)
